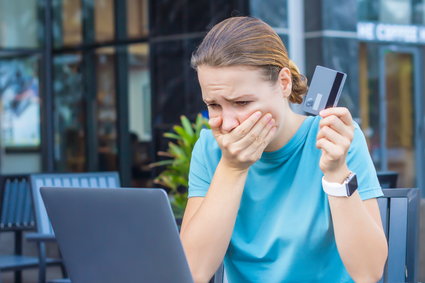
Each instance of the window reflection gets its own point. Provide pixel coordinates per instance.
(369, 98)
(18, 23)
(104, 19)
(392, 11)
(106, 110)
(69, 114)
(140, 114)
(273, 12)
(137, 18)
(400, 112)
(67, 22)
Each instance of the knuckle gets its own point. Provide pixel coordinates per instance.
(225, 143)
(242, 158)
(243, 131)
(347, 142)
(254, 137)
(339, 152)
(233, 150)
(252, 158)
(325, 130)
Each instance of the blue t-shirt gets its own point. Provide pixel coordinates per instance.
(283, 230)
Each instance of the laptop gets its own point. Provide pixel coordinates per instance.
(117, 235)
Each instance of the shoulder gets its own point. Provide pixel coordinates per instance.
(206, 141)
(206, 147)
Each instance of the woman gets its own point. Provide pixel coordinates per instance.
(256, 194)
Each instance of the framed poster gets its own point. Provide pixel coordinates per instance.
(20, 103)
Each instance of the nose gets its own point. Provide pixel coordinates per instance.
(230, 121)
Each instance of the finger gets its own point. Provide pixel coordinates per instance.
(335, 123)
(334, 137)
(342, 112)
(334, 152)
(254, 135)
(254, 141)
(267, 139)
(246, 126)
(255, 150)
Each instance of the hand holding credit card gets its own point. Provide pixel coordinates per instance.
(324, 91)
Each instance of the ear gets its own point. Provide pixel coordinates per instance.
(285, 82)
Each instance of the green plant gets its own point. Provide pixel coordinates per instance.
(176, 173)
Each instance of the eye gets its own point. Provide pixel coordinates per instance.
(212, 105)
(242, 103)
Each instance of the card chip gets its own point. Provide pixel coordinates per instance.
(317, 101)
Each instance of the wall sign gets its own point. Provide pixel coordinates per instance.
(391, 33)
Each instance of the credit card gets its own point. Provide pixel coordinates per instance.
(324, 91)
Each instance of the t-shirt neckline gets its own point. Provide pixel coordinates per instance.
(293, 143)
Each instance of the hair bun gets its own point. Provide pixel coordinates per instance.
(299, 84)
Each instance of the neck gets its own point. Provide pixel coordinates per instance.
(287, 129)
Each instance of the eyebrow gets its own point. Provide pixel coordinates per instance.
(244, 96)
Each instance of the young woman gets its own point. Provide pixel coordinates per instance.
(267, 186)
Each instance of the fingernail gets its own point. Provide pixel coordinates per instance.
(257, 114)
(268, 116)
(272, 122)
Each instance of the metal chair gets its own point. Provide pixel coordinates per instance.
(17, 217)
(400, 218)
(44, 228)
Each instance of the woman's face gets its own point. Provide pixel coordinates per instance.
(236, 92)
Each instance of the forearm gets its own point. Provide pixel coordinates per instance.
(360, 240)
(207, 234)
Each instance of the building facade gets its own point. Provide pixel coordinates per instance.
(93, 84)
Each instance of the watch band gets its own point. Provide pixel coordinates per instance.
(337, 189)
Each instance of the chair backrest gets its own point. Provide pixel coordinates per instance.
(76, 180)
(387, 179)
(400, 218)
(16, 211)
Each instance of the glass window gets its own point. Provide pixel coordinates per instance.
(19, 24)
(139, 91)
(369, 97)
(137, 18)
(67, 22)
(392, 11)
(20, 103)
(418, 12)
(339, 16)
(395, 11)
(339, 54)
(106, 110)
(104, 20)
(70, 117)
(273, 12)
(400, 110)
(140, 114)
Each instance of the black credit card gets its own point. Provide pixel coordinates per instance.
(324, 91)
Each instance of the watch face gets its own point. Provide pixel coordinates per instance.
(352, 185)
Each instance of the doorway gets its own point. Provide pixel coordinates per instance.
(401, 114)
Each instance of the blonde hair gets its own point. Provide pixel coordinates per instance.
(248, 41)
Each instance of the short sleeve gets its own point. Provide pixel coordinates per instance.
(199, 180)
(360, 162)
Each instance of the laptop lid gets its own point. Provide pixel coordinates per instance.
(117, 235)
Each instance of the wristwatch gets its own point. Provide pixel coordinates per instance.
(346, 189)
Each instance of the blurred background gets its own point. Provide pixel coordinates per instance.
(92, 85)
